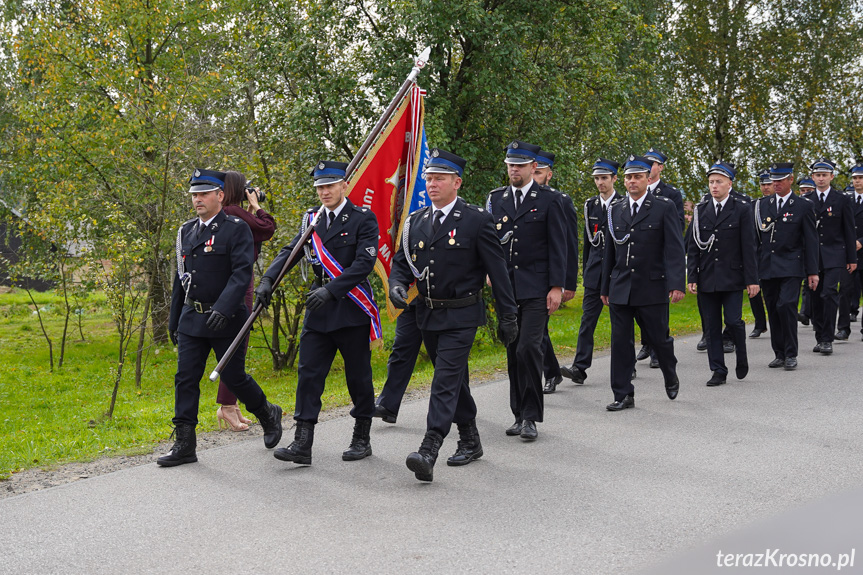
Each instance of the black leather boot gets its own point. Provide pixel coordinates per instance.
(270, 416)
(183, 450)
(469, 446)
(422, 462)
(300, 450)
(361, 444)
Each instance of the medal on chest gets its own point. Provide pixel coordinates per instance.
(208, 245)
(451, 238)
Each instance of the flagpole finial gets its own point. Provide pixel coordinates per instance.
(419, 63)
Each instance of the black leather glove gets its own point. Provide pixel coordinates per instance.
(507, 328)
(174, 336)
(216, 321)
(264, 292)
(318, 298)
(399, 296)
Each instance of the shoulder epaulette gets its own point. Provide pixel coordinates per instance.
(233, 219)
(500, 189)
(663, 198)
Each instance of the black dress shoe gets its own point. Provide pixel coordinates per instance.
(702, 344)
(573, 373)
(853, 317)
(728, 347)
(654, 363)
(826, 348)
(842, 335)
(672, 387)
(622, 404)
(515, 428)
(790, 363)
(385, 414)
(778, 362)
(551, 384)
(803, 318)
(643, 353)
(817, 348)
(741, 370)
(634, 374)
(716, 379)
(757, 333)
(528, 430)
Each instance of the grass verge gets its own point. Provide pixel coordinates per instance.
(53, 417)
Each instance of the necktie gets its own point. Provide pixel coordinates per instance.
(821, 197)
(438, 216)
(859, 200)
(332, 217)
(779, 203)
(634, 210)
(200, 229)
(718, 209)
(518, 196)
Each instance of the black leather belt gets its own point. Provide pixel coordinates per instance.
(199, 306)
(450, 303)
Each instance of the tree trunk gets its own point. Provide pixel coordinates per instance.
(44, 332)
(68, 312)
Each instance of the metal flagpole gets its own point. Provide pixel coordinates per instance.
(298, 248)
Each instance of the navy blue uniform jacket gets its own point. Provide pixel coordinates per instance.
(731, 262)
(220, 275)
(571, 282)
(591, 258)
(536, 250)
(858, 222)
(790, 249)
(457, 268)
(652, 263)
(837, 234)
(666, 190)
(352, 240)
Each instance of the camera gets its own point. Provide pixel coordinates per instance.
(253, 190)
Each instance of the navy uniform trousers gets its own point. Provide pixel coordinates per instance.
(550, 365)
(402, 360)
(591, 308)
(825, 303)
(524, 359)
(849, 299)
(451, 401)
(653, 320)
(712, 306)
(756, 304)
(317, 352)
(781, 296)
(192, 354)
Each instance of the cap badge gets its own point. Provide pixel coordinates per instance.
(514, 145)
(321, 166)
(197, 173)
(435, 153)
(632, 158)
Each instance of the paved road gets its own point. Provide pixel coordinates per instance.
(664, 486)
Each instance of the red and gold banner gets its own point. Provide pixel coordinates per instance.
(382, 176)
